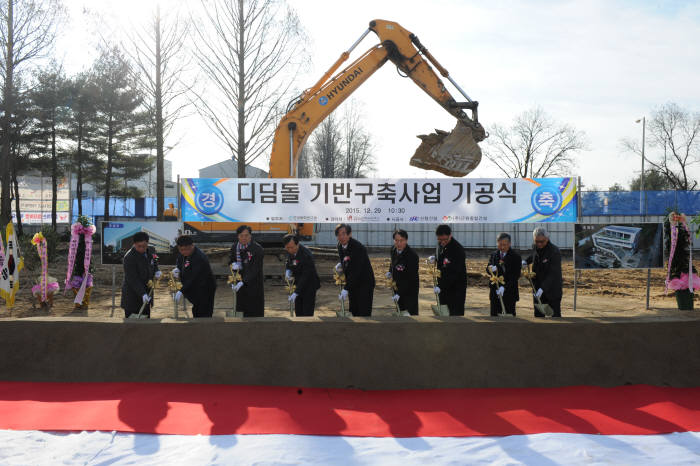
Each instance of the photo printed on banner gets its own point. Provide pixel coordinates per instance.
(618, 245)
(116, 240)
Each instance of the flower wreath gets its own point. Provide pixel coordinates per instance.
(685, 281)
(82, 227)
(44, 288)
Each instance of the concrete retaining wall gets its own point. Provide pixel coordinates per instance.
(422, 352)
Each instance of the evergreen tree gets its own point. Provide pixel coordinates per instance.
(20, 142)
(654, 180)
(49, 99)
(80, 127)
(122, 126)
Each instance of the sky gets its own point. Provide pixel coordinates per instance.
(596, 65)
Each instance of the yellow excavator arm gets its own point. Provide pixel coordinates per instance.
(455, 153)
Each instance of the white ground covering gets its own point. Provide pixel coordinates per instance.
(102, 448)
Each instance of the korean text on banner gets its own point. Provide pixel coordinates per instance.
(363, 200)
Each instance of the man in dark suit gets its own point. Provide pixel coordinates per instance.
(194, 271)
(546, 263)
(300, 265)
(359, 276)
(404, 272)
(451, 261)
(504, 263)
(140, 266)
(246, 256)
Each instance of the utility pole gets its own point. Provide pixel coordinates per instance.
(642, 198)
(642, 203)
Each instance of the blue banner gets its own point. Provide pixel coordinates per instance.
(361, 200)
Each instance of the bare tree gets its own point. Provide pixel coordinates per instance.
(341, 148)
(27, 30)
(249, 51)
(157, 52)
(534, 146)
(357, 159)
(325, 149)
(303, 164)
(674, 136)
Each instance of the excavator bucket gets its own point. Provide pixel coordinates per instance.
(454, 154)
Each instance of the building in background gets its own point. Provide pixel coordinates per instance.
(146, 184)
(229, 169)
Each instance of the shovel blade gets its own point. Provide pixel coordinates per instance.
(454, 154)
(441, 311)
(545, 309)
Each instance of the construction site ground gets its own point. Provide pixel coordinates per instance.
(601, 293)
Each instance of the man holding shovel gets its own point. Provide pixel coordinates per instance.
(300, 270)
(504, 264)
(547, 281)
(359, 276)
(246, 257)
(194, 271)
(140, 267)
(404, 273)
(452, 282)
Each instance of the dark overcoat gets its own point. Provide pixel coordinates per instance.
(359, 277)
(451, 262)
(546, 263)
(404, 271)
(198, 283)
(138, 270)
(251, 296)
(509, 268)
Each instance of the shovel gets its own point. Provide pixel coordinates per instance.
(394, 289)
(545, 309)
(174, 285)
(141, 315)
(340, 281)
(496, 280)
(235, 277)
(291, 287)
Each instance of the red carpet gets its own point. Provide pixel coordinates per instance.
(222, 409)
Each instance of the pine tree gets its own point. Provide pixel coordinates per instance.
(123, 127)
(50, 108)
(80, 127)
(20, 146)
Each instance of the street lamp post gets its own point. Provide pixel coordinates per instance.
(642, 204)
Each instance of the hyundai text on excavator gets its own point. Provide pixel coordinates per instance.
(455, 153)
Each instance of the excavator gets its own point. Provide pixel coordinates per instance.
(454, 153)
